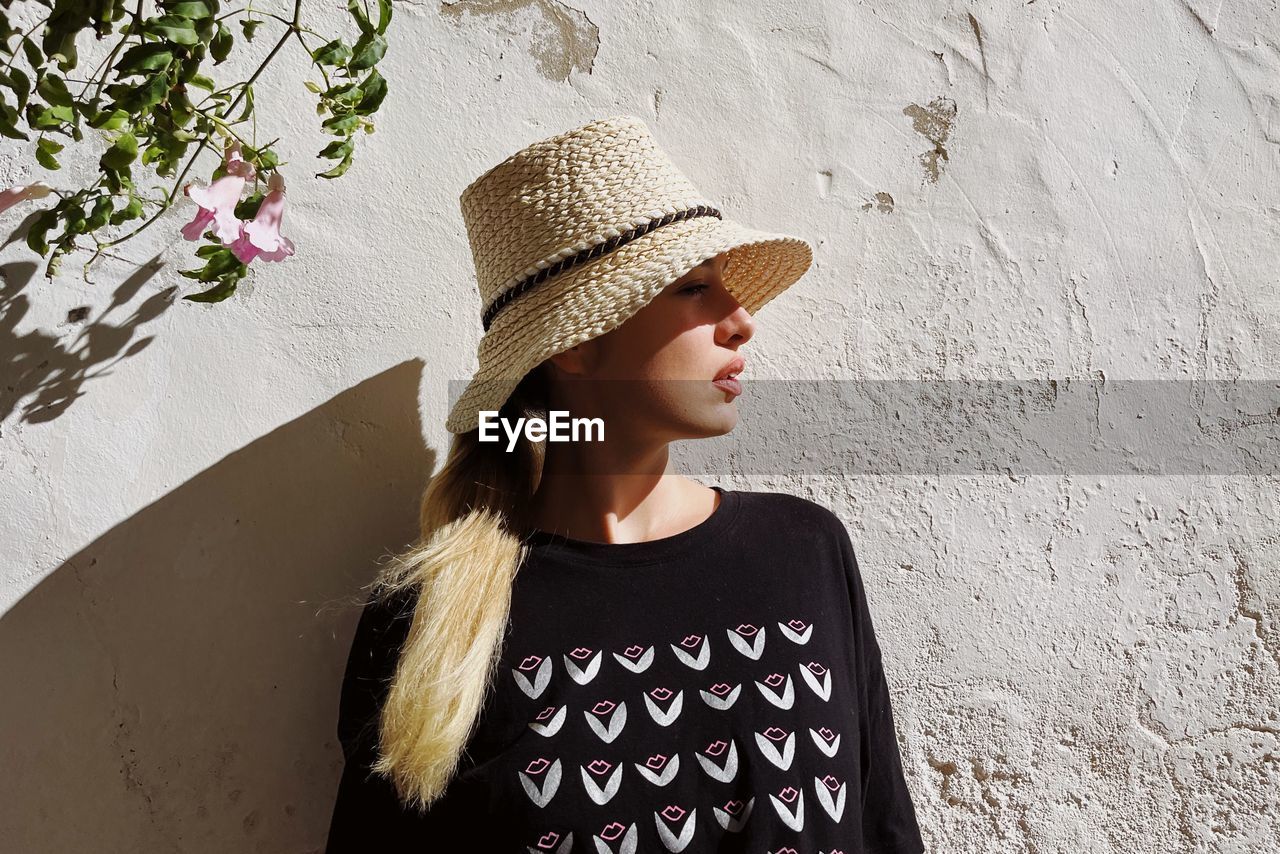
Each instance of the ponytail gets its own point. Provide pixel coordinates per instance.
(462, 567)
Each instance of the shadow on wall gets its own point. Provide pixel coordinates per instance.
(174, 686)
(47, 371)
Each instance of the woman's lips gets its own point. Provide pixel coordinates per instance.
(729, 384)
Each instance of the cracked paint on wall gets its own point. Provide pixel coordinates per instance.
(934, 123)
(560, 39)
(882, 202)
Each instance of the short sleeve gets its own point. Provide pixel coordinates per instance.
(889, 824)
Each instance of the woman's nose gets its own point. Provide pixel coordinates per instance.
(738, 323)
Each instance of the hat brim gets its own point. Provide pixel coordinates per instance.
(593, 299)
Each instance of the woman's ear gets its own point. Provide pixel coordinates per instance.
(576, 361)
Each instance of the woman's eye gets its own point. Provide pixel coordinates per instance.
(694, 289)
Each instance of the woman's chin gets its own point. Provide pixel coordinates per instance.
(716, 420)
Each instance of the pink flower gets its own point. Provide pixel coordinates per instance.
(23, 192)
(262, 238)
(218, 201)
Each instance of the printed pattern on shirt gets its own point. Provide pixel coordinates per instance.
(704, 671)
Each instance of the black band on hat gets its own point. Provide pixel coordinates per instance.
(588, 254)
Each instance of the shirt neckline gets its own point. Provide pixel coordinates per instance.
(645, 552)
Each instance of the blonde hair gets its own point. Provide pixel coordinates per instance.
(462, 568)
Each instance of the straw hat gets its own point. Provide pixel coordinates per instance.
(575, 233)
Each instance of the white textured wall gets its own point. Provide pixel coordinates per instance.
(996, 190)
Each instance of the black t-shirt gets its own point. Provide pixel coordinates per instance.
(717, 690)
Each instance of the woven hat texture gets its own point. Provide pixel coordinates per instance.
(575, 233)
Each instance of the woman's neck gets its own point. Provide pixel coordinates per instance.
(635, 506)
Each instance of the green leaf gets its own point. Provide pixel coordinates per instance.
(217, 293)
(338, 170)
(60, 45)
(21, 86)
(202, 82)
(223, 267)
(356, 8)
(9, 130)
(368, 50)
(181, 108)
(249, 27)
(75, 224)
(47, 160)
(37, 234)
(220, 48)
(335, 52)
(221, 262)
(172, 28)
(133, 210)
(101, 214)
(54, 267)
(50, 118)
(248, 103)
(193, 9)
(112, 120)
(338, 148)
(54, 90)
(262, 158)
(144, 59)
(384, 15)
(50, 145)
(340, 124)
(375, 89)
(148, 94)
(35, 58)
(350, 94)
(122, 152)
(247, 208)
(117, 182)
(9, 122)
(188, 68)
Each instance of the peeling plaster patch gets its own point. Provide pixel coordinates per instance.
(947, 769)
(1248, 601)
(657, 102)
(559, 39)
(1078, 318)
(881, 201)
(824, 183)
(934, 123)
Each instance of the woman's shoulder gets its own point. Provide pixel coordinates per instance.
(380, 633)
(784, 511)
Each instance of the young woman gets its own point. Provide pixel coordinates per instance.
(586, 651)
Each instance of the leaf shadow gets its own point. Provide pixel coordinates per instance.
(45, 372)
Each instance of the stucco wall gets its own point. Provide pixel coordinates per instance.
(191, 495)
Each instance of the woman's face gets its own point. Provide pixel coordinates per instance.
(652, 377)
